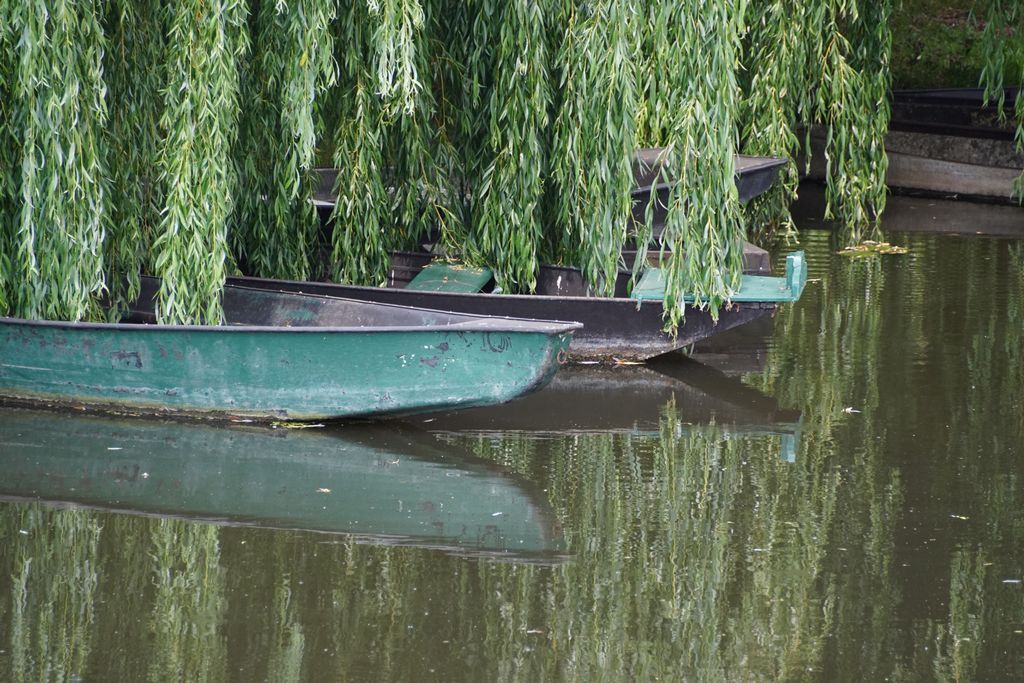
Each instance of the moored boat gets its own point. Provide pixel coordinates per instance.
(754, 175)
(627, 326)
(281, 356)
(398, 486)
(624, 327)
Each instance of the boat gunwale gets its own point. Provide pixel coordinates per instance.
(599, 300)
(493, 324)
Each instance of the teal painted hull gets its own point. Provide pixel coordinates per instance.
(398, 486)
(297, 364)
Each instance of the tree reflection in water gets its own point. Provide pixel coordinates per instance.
(887, 550)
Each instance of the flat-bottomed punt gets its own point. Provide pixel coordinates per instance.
(281, 357)
(628, 326)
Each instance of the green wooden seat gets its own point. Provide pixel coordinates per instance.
(752, 287)
(450, 277)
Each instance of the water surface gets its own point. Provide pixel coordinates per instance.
(835, 497)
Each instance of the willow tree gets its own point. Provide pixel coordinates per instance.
(594, 137)
(275, 222)
(178, 138)
(133, 67)
(516, 143)
(204, 41)
(54, 191)
(690, 109)
(826, 63)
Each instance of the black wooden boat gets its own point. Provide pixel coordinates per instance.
(754, 175)
(959, 112)
(627, 326)
(623, 327)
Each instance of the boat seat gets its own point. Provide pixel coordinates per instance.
(440, 276)
(759, 288)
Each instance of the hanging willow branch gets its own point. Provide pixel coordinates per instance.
(362, 239)
(507, 227)
(55, 240)
(776, 100)
(594, 139)
(690, 81)
(853, 103)
(397, 26)
(824, 62)
(205, 38)
(424, 157)
(9, 153)
(1004, 17)
(292, 62)
(134, 71)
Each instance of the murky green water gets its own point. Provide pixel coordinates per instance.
(848, 507)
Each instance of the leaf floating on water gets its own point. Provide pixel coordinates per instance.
(297, 425)
(871, 248)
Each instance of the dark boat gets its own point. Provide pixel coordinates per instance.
(398, 486)
(754, 175)
(960, 112)
(623, 327)
(281, 356)
(946, 143)
(627, 326)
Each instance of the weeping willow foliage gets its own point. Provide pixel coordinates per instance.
(9, 146)
(133, 67)
(1001, 17)
(361, 242)
(205, 40)
(275, 222)
(520, 97)
(690, 108)
(776, 100)
(853, 103)
(55, 185)
(590, 166)
(397, 25)
(178, 138)
(819, 63)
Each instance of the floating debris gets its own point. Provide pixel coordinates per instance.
(871, 248)
(297, 425)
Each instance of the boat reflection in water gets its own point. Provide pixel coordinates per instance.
(632, 399)
(388, 487)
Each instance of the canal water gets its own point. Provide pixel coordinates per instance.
(836, 496)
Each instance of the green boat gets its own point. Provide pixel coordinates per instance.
(282, 356)
(394, 486)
